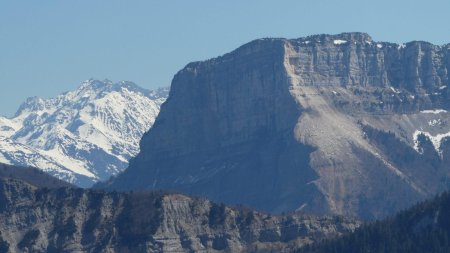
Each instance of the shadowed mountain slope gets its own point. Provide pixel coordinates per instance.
(32, 176)
(423, 228)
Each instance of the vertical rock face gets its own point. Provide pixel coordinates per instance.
(355, 59)
(290, 125)
(237, 107)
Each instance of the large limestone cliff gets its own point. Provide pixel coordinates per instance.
(326, 124)
(226, 132)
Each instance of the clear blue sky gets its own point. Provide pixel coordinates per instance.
(47, 47)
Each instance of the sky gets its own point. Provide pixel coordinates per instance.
(49, 47)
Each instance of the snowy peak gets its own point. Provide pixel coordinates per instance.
(100, 88)
(90, 132)
(35, 104)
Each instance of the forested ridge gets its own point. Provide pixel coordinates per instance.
(422, 228)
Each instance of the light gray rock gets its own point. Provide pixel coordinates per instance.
(313, 124)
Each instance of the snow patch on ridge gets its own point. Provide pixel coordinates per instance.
(394, 90)
(435, 122)
(3, 159)
(436, 111)
(339, 42)
(436, 140)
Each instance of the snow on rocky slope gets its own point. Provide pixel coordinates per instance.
(81, 136)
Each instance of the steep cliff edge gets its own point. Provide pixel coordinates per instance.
(285, 125)
(78, 220)
(236, 107)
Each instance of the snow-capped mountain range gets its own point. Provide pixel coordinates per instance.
(81, 136)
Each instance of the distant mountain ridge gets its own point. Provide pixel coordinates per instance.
(338, 124)
(81, 136)
(31, 176)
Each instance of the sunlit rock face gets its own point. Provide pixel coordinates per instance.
(335, 124)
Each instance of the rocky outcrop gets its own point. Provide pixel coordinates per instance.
(77, 220)
(282, 125)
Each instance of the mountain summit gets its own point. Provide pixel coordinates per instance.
(336, 124)
(81, 136)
